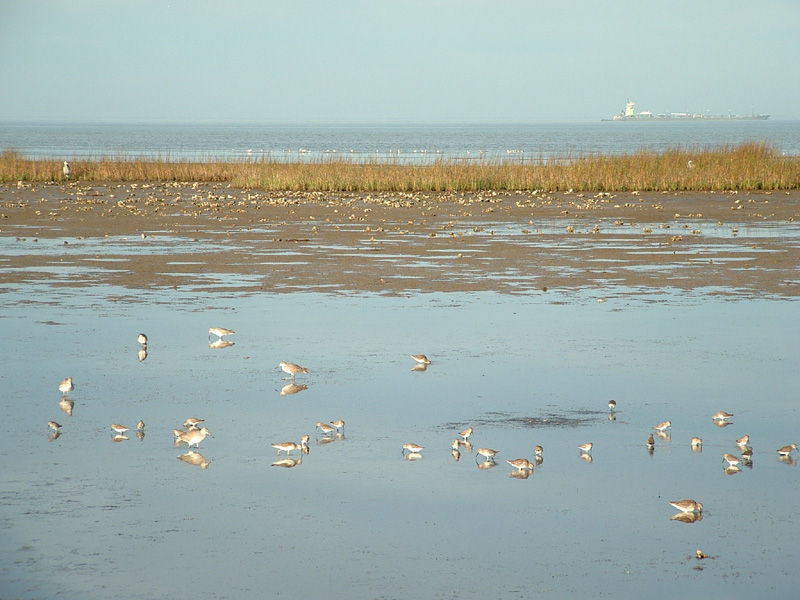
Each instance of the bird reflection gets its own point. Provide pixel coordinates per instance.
(288, 463)
(612, 416)
(420, 367)
(67, 405)
(722, 423)
(140, 434)
(195, 458)
(538, 460)
(587, 457)
(687, 517)
(119, 438)
(787, 459)
(731, 470)
(220, 343)
(142, 353)
(456, 454)
(292, 388)
(487, 464)
(413, 456)
(325, 439)
(520, 473)
(54, 435)
(663, 435)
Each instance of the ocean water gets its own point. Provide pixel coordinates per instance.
(408, 142)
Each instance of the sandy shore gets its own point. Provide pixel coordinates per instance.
(219, 238)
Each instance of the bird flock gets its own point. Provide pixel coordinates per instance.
(193, 433)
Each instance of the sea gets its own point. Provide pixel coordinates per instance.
(384, 142)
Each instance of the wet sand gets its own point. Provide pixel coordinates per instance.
(220, 238)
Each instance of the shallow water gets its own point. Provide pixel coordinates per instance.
(82, 516)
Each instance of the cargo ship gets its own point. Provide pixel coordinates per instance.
(629, 114)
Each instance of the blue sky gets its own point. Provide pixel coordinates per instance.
(404, 60)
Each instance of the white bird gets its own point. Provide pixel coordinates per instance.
(67, 170)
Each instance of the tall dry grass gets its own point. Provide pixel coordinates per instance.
(750, 166)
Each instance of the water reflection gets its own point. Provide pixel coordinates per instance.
(663, 435)
(195, 458)
(732, 470)
(787, 459)
(722, 424)
(142, 354)
(687, 517)
(587, 457)
(455, 453)
(292, 388)
(220, 343)
(520, 473)
(54, 435)
(412, 456)
(486, 465)
(420, 367)
(67, 405)
(288, 463)
(118, 438)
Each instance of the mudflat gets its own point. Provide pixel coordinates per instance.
(215, 237)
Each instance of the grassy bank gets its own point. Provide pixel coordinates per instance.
(751, 166)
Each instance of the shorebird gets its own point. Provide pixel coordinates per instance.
(292, 369)
(743, 441)
(412, 448)
(119, 428)
(488, 453)
(53, 425)
(66, 386)
(466, 433)
(142, 339)
(688, 506)
(521, 464)
(721, 416)
(585, 448)
(220, 332)
(289, 446)
(651, 442)
(66, 169)
(538, 451)
(325, 428)
(612, 405)
(787, 450)
(192, 423)
(421, 358)
(696, 442)
(339, 425)
(193, 437)
(662, 427)
(455, 444)
(140, 425)
(731, 459)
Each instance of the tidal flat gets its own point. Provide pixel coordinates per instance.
(531, 328)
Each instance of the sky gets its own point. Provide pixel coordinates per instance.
(482, 61)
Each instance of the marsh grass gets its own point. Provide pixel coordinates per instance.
(750, 166)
